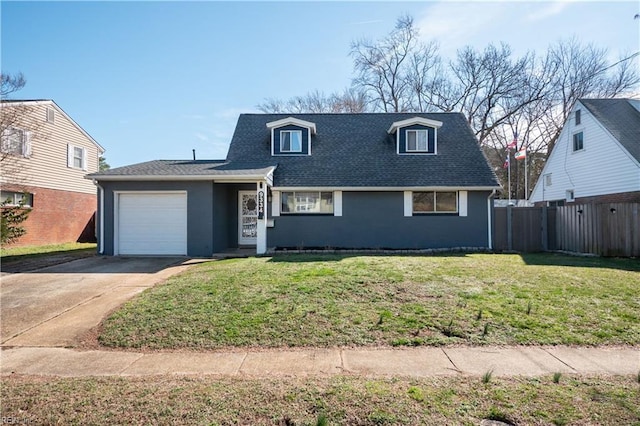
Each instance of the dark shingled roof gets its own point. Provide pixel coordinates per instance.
(348, 150)
(356, 150)
(179, 168)
(620, 118)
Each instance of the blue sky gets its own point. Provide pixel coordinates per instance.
(154, 80)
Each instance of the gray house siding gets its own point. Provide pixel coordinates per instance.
(376, 220)
(212, 212)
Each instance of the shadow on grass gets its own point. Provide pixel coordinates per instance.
(559, 259)
(337, 257)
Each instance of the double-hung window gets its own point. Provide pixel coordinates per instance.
(417, 141)
(76, 157)
(10, 198)
(303, 202)
(578, 141)
(13, 141)
(290, 141)
(435, 202)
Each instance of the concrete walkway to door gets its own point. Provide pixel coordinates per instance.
(45, 313)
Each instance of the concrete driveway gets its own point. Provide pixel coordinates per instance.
(57, 306)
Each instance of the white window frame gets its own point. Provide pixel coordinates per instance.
(573, 142)
(291, 132)
(578, 117)
(22, 147)
(547, 179)
(435, 205)
(71, 157)
(417, 132)
(570, 195)
(15, 198)
(299, 210)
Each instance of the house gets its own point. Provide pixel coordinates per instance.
(396, 181)
(45, 155)
(597, 156)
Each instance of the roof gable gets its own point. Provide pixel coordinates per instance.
(292, 121)
(620, 118)
(413, 121)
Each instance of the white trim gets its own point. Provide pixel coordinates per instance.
(275, 203)
(489, 220)
(383, 188)
(116, 216)
(417, 150)
(412, 121)
(337, 203)
(261, 225)
(220, 178)
(462, 203)
(292, 121)
(101, 218)
(290, 151)
(408, 203)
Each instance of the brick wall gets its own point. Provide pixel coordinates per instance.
(58, 217)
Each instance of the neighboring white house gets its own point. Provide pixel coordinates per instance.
(596, 157)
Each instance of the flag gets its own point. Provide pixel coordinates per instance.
(506, 162)
(521, 155)
(513, 143)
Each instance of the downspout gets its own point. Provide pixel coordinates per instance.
(490, 220)
(101, 218)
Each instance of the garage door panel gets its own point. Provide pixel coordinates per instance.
(152, 223)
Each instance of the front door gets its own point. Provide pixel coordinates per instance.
(248, 217)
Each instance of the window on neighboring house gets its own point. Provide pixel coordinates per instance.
(10, 198)
(547, 179)
(76, 157)
(417, 141)
(578, 117)
(578, 142)
(570, 196)
(14, 142)
(307, 202)
(290, 141)
(435, 202)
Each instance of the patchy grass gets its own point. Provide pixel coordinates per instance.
(13, 253)
(341, 400)
(376, 300)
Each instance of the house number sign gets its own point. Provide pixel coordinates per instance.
(260, 204)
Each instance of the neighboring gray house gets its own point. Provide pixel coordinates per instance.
(362, 181)
(596, 158)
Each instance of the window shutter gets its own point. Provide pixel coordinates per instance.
(275, 203)
(69, 155)
(337, 203)
(26, 145)
(462, 201)
(84, 159)
(408, 203)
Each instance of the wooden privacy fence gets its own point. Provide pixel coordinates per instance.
(602, 229)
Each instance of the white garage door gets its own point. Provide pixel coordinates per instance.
(152, 223)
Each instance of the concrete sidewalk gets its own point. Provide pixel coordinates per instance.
(410, 362)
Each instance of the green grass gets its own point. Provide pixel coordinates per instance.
(394, 300)
(15, 253)
(340, 400)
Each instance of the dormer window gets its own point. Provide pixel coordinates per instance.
(417, 135)
(291, 136)
(290, 141)
(417, 140)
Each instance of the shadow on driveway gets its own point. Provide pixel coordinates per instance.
(95, 264)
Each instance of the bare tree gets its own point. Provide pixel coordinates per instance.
(391, 71)
(350, 100)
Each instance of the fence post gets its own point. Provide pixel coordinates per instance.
(509, 229)
(545, 230)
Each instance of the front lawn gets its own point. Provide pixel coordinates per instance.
(341, 400)
(28, 258)
(332, 300)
